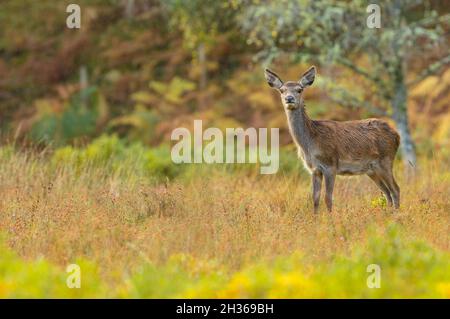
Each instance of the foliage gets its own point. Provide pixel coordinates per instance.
(41, 279)
(333, 32)
(76, 119)
(151, 66)
(199, 20)
(442, 136)
(114, 154)
(407, 270)
(86, 174)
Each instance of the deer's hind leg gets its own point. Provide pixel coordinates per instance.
(388, 179)
(377, 179)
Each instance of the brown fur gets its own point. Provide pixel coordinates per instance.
(355, 140)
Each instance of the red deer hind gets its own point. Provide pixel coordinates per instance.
(329, 148)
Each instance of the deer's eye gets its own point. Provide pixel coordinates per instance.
(299, 90)
(282, 90)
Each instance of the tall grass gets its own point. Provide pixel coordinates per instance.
(235, 224)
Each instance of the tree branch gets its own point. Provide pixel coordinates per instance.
(375, 79)
(348, 100)
(432, 68)
(428, 21)
(347, 63)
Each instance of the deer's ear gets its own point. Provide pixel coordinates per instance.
(273, 79)
(308, 77)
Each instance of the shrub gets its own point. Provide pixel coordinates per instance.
(118, 156)
(40, 279)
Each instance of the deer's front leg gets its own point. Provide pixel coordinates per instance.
(317, 185)
(330, 176)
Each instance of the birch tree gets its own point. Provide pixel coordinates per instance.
(340, 31)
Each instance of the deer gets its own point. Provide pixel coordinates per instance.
(329, 148)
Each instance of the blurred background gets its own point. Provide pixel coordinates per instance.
(137, 69)
(86, 175)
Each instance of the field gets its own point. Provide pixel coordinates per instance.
(212, 231)
(95, 93)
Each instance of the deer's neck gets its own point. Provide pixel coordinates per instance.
(301, 128)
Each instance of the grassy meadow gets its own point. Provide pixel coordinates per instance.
(92, 92)
(212, 231)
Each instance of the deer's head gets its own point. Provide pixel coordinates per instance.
(291, 91)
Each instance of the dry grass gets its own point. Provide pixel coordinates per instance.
(121, 221)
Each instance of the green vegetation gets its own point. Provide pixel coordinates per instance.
(411, 270)
(210, 231)
(113, 154)
(86, 176)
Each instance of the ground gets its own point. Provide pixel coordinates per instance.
(222, 233)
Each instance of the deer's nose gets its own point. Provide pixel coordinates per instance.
(289, 99)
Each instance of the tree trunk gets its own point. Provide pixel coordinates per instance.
(129, 9)
(202, 62)
(84, 84)
(400, 116)
(203, 82)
